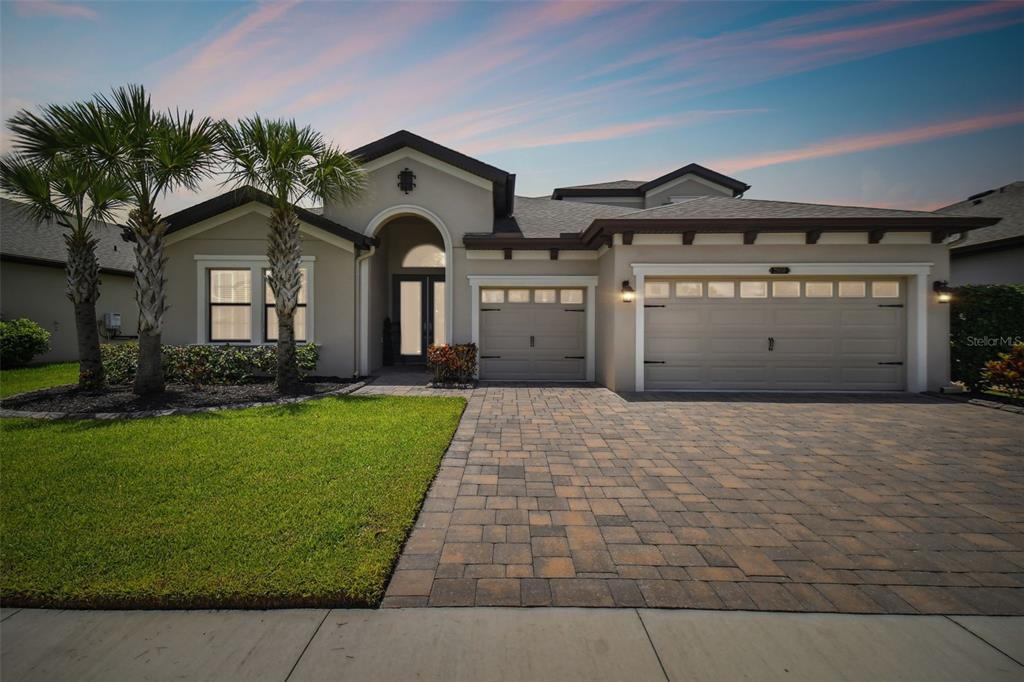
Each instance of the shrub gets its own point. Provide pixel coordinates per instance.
(453, 364)
(1007, 373)
(199, 365)
(21, 340)
(985, 320)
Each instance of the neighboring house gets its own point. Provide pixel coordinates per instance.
(670, 284)
(33, 279)
(991, 255)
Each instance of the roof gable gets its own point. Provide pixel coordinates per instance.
(1006, 202)
(247, 194)
(502, 182)
(637, 188)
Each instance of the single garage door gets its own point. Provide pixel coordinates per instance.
(536, 334)
(813, 334)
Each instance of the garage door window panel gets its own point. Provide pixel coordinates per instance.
(753, 289)
(518, 295)
(853, 289)
(571, 296)
(721, 289)
(492, 296)
(885, 289)
(785, 289)
(656, 289)
(689, 289)
(544, 296)
(818, 289)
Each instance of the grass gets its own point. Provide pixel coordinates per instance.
(24, 379)
(298, 505)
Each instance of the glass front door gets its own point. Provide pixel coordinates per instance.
(419, 310)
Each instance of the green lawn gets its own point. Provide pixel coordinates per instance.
(297, 505)
(24, 379)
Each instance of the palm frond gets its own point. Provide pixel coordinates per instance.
(289, 162)
(28, 181)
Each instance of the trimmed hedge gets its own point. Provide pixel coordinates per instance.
(202, 364)
(21, 340)
(453, 364)
(985, 320)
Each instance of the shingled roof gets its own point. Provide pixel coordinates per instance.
(1006, 202)
(539, 217)
(26, 240)
(637, 188)
(726, 208)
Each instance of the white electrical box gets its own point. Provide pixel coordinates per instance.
(112, 320)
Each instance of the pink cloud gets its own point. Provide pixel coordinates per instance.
(863, 143)
(51, 8)
(527, 139)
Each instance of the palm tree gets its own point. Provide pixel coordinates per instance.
(291, 164)
(74, 194)
(151, 153)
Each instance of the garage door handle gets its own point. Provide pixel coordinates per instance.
(890, 363)
(490, 310)
(490, 357)
(575, 357)
(771, 343)
(654, 362)
(890, 305)
(575, 310)
(653, 305)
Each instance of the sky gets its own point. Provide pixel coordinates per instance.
(893, 104)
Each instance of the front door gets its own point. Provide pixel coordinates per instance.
(419, 309)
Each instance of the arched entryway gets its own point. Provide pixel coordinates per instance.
(405, 297)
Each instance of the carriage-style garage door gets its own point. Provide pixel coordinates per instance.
(812, 334)
(533, 334)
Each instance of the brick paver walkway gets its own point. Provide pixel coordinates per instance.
(580, 497)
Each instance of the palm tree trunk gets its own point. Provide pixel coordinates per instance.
(284, 253)
(83, 290)
(150, 294)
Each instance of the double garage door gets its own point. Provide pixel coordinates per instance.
(533, 334)
(820, 334)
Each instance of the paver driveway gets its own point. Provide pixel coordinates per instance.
(581, 497)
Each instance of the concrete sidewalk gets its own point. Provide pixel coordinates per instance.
(504, 644)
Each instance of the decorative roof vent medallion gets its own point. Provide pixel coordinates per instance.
(406, 181)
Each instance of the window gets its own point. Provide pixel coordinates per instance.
(518, 295)
(786, 289)
(885, 289)
(753, 289)
(230, 302)
(689, 289)
(656, 289)
(492, 296)
(853, 289)
(544, 296)
(571, 296)
(721, 289)
(424, 256)
(270, 313)
(818, 289)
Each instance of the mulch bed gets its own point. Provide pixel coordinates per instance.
(120, 399)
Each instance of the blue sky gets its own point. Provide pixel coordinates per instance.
(913, 104)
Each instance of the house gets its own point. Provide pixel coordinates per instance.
(991, 255)
(33, 280)
(677, 283)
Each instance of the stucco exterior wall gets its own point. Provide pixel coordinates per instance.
(624, 350)
(998, 266)
(39, 293)
(334, 323)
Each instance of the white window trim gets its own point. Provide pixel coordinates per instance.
(257, 303)
(476, 282)
(917, 299)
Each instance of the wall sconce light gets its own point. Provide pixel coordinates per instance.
(628, 295)
(943, 290)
